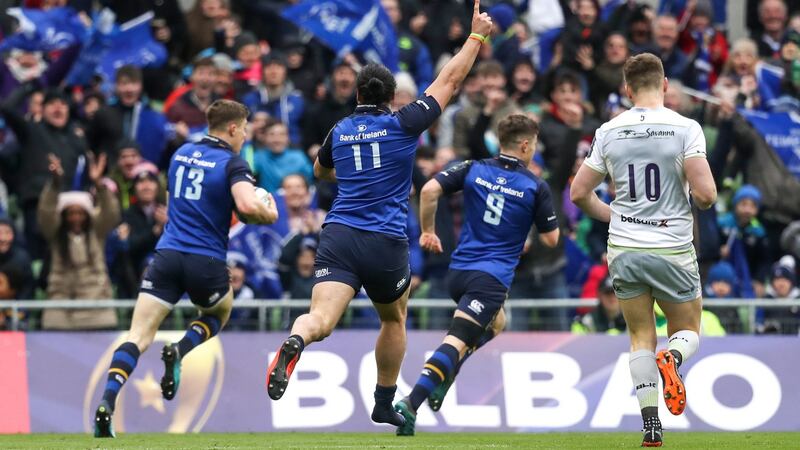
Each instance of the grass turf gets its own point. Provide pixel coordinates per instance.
(385, 440)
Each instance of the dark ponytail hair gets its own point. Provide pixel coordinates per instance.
(375, 85)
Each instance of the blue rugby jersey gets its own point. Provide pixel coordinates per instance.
(200, 201)
(502, 200)
(373, 153)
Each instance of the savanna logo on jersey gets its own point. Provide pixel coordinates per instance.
(501, 181)
(659, 223)
(476, 306)
(630, 134)
(324, 272)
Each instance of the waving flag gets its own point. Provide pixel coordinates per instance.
(782, 133)
(54, 29)
(349, 26)
(769, 80)
(111, 47)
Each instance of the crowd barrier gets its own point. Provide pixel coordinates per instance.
(520, 382)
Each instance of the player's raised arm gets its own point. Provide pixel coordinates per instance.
(454, 72)
(428, 202)
(253, 208)
(323, 165)
(701, 182)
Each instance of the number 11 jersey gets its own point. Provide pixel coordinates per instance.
(643, 151)
(373, 152)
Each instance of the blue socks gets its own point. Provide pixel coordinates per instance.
(440, 365)
(122, 364)
(200, 330)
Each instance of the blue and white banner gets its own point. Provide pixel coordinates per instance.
(782, 133)
(346, 26)
(54, 29)
(111, 47)
(769, 80)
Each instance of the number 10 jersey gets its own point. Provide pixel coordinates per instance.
(643, 151)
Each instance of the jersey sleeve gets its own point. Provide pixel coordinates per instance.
(452, 179)
(238, 170)
(544, 216)
(419, 115)
(695, 145)
(595, 159)
(325, 155)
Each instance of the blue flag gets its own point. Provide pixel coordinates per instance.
(349, 26)
(110, 48)
(782, 133)
(769, 80)
(54, 29)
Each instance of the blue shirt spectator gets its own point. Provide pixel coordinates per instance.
(273, 160)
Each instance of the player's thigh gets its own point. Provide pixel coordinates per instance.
(329, 300)
(641, 322)
(148, 314)
(163, 278)
(222, 309)
(627, 276)
(683, 315)
(396, 311)
(384, 267)
(207, 280)
(482, 295)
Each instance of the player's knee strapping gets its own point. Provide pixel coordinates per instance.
(484, 338)
(468, 331)
(437, 368)
(644, 373)
(122, 364)
(685, 343)
(200, 330)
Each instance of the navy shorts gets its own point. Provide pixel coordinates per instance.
(171, 273)
(477, 293)
(377, 261)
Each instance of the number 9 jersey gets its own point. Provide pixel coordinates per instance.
(200, 201)
(643, 151)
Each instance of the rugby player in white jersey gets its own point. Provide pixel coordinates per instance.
(657, 161)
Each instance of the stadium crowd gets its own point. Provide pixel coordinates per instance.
(83, 198)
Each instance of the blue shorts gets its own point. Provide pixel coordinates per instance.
(477, 293)
(377, 261)
(171, 273)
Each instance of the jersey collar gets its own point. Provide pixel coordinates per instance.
(373, 109)
(215, 142)
(508, 159)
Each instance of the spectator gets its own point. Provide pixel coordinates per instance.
(277, 97)
(606, 77)
(129, 116)
(583, 35)
(297, 262)
(142, 224)
(20, 66)
(301, 216)
(741, 69)
(445, 34)
(742, 225)
(469, 95)
(665, 33)
(54, 133)
(77, 235)
(523, 84)
(201, 22)
(405, 92)
(10, 284)
(224, 83)
(414, 56)
(505, 40)
(274, 160)
(190, 108)
(241, 318)
(773, 15)
(303, 73)
(722, 282)
(15, 262)
(606, 317)
(492, 80)
(339, 102)
(123, 174)
(708, 46)
(247, 53)
(783, 286)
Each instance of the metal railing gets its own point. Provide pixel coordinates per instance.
(264, 306)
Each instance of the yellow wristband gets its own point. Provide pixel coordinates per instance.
(478, 37)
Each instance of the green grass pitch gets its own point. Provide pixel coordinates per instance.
(676, 440)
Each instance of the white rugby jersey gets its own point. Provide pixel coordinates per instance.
(643, 151)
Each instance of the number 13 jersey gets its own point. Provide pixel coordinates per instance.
(643, 151)
(373, 152)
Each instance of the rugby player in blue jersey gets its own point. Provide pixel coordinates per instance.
(363, 243)
(502, 201)
(207, 181)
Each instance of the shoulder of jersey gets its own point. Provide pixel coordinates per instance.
(630, 118)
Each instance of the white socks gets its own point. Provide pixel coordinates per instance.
(644, 374)
(685, 342)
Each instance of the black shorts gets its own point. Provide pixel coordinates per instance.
(477, 293)
(171, 273)
(377, 261)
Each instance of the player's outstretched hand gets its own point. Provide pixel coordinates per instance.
(430, 242)
(481, 22)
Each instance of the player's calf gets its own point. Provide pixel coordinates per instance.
(123, 362)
